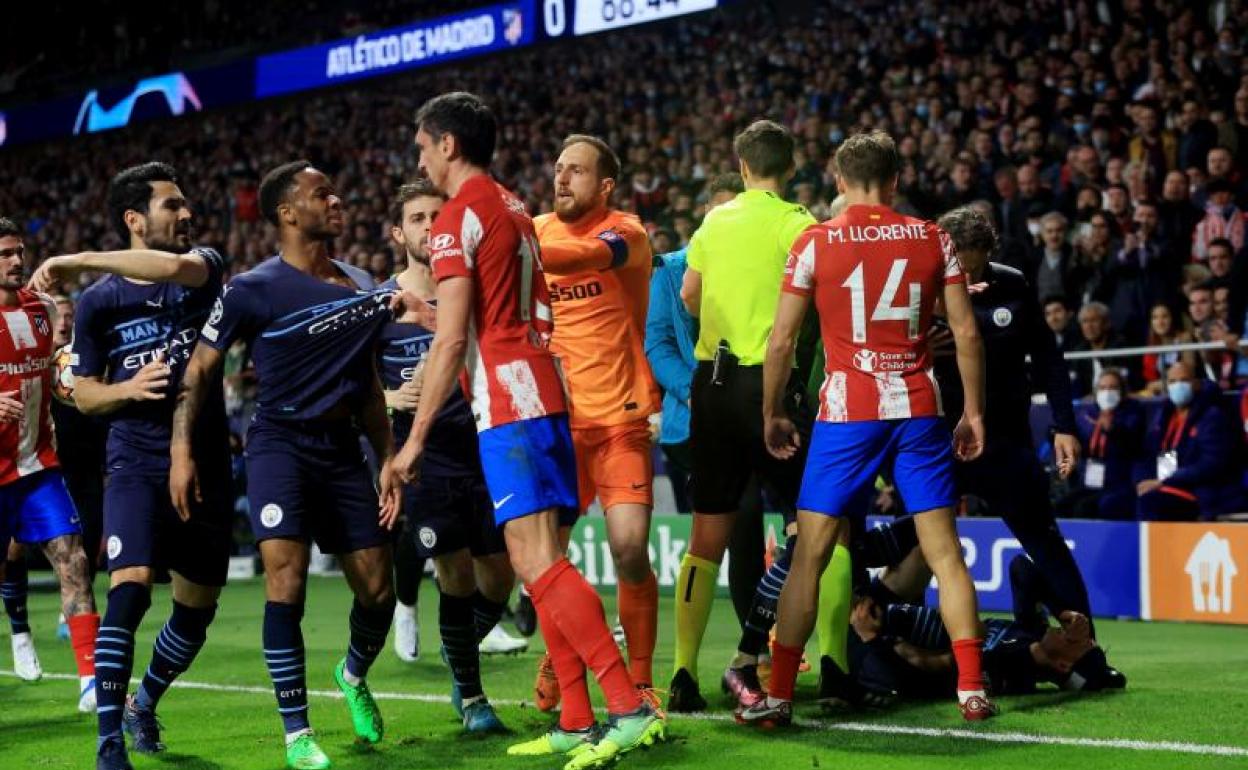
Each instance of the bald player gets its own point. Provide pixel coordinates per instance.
(597, 262)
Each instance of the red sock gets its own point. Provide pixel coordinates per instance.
(784, 663)
(577, 612)
(969, 655)
(82, 632)
(575, 711)
(639, 614)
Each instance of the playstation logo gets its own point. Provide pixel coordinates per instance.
(177, 90)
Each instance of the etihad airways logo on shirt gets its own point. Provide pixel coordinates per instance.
(329, 317)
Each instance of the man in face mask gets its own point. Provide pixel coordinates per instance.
(1197, 454)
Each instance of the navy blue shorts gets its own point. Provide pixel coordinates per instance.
(311, 482)
(846, 457)
(36, 509)
(530, 466)
(445, 514)
(142, 529)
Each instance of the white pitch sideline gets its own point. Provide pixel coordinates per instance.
(1127, 744)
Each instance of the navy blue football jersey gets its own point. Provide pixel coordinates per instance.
(120, 327)
(451, 449)
(312, 342)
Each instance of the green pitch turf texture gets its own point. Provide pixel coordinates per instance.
(1188, 685)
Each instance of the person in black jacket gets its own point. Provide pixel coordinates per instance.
(1008, 475)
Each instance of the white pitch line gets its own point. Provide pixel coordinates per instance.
(1175, 747)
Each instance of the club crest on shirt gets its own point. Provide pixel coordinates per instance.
(41, 323)
(1002, 317)
(114, 547)
(428, 538)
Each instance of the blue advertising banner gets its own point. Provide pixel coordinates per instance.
(473, 33)
(1107, 552)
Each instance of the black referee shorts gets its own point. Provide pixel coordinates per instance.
(726, 430)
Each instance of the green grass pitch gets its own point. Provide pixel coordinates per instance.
(1188, 685)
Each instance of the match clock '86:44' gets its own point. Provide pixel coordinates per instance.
(590, 16)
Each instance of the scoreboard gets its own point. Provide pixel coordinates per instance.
(503, 26)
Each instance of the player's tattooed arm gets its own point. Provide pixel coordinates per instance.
(69, 560)
(189, 269)
(203, 368)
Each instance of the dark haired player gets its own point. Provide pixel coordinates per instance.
(493, 314)
(35, 507)
(313, 324)
(134, 332)
(448, 515)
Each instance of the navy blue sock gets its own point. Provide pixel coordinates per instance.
(486, 613)
(762, 615)
(369, 626)
(114, 653)
(176, 646)
(13, 592)
(459, 639)
(284, 655)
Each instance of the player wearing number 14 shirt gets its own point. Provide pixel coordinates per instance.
(875, 276)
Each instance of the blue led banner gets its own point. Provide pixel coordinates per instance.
(482, 31)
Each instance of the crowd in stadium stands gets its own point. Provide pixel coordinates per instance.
(1108, 140)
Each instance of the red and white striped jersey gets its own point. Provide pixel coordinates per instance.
(484, 234)
(27, 446)
(876, 276)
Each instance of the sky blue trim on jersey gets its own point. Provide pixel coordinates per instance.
(319, 311)
(168, 327)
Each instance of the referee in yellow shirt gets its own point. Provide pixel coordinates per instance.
(732, 285)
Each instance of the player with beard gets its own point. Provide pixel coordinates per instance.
(134, 332)
(597, 262)
(312, 323)
(493, 315)
(35, 507)
(449, 516)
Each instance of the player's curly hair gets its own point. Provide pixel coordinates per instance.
(276, 186)
(970, 229)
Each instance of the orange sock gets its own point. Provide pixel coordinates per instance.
(969, 654)
(785, 661)
(573, 607)
(575, 711)
(639, 614)
(82, 632)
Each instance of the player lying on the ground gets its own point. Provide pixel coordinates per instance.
(35, 507)
(450, 517)
(904, 650)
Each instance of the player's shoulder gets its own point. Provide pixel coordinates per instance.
(258, 278)
(1004, 276)
(545, 223)
(625, 223)
(361, 278)
(106, 290)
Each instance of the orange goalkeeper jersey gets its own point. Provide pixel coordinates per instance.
(598, 272)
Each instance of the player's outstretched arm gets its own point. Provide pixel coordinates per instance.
(442, 367)
(968, 437)
(189, 269)
(779, 431)
(203, 368)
